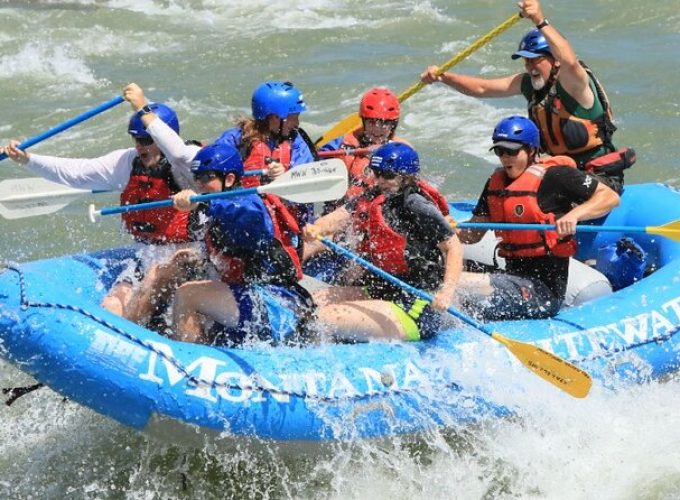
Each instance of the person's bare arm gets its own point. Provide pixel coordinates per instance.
(603, 200)
(476, 86)
(471, 236)
(572, 76)
(453, 267)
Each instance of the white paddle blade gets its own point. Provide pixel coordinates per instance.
(323, 180)
(34, 196)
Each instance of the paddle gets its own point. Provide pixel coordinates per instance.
(338, 153)
(68, 124)
(353, 121)
(308, 183)
(34, 196)
(546, 365)
(670, 230)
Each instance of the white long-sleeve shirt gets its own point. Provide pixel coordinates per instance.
(111, 172)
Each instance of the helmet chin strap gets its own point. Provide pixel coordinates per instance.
(279, 134)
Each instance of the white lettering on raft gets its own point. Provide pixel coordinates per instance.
(210, 383)
(648, 326)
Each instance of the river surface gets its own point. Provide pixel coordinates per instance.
(204, 57)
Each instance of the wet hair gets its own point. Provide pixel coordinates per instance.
(253, 130)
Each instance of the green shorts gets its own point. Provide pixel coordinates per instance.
(419, 320)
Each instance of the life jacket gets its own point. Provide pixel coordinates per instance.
(517, 202)
(160, 225)
(258, 155)
(562, 133)
(383, 245)
(356, 167)
(278, 262)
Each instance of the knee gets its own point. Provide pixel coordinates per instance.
(113, 304)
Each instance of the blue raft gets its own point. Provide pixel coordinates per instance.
(51, 327)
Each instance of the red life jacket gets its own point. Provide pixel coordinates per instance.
(360, 216)
(379, 242)
(238, 266)
(517, 202)
(259, 156)
(160, 225)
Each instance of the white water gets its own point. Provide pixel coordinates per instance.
(59, 58)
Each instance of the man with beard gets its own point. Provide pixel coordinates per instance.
(565, 100)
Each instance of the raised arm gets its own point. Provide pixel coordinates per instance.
(170, 143)
(571, 76)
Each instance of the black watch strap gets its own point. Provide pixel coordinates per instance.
(146, 109)
(542, 24)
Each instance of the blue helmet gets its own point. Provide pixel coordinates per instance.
(396, 157)
(218, 158)
(277, 98)
(533, 45)
(515, 130)
(165, 113)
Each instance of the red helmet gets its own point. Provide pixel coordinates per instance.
(379, 103)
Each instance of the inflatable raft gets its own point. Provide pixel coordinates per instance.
(52, 328)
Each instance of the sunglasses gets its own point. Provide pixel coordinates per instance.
(144, 141)
(500, 151)
(381, 123)
(385, 174)
(205, 177)
(533, 61)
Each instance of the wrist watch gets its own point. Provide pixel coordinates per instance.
(542, 24)
(144, 111)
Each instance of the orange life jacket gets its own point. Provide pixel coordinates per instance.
(562, 133)
(356, 167)
(517, 202)
(160, 225)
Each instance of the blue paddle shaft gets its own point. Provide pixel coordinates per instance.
(396, 281)
(168, 203)
(548, 227)
(68, 124)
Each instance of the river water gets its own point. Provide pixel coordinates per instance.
(204, 57)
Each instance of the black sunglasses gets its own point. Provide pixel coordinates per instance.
(500, 151)
(205, 177)
(144, 141)
(385, 174)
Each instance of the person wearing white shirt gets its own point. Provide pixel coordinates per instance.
(158, 166)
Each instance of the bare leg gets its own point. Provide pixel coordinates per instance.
(362, 320)
(198, 300)
(337, 294)
(118, 298)
(158, 284)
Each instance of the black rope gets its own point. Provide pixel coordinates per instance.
(14, 393)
